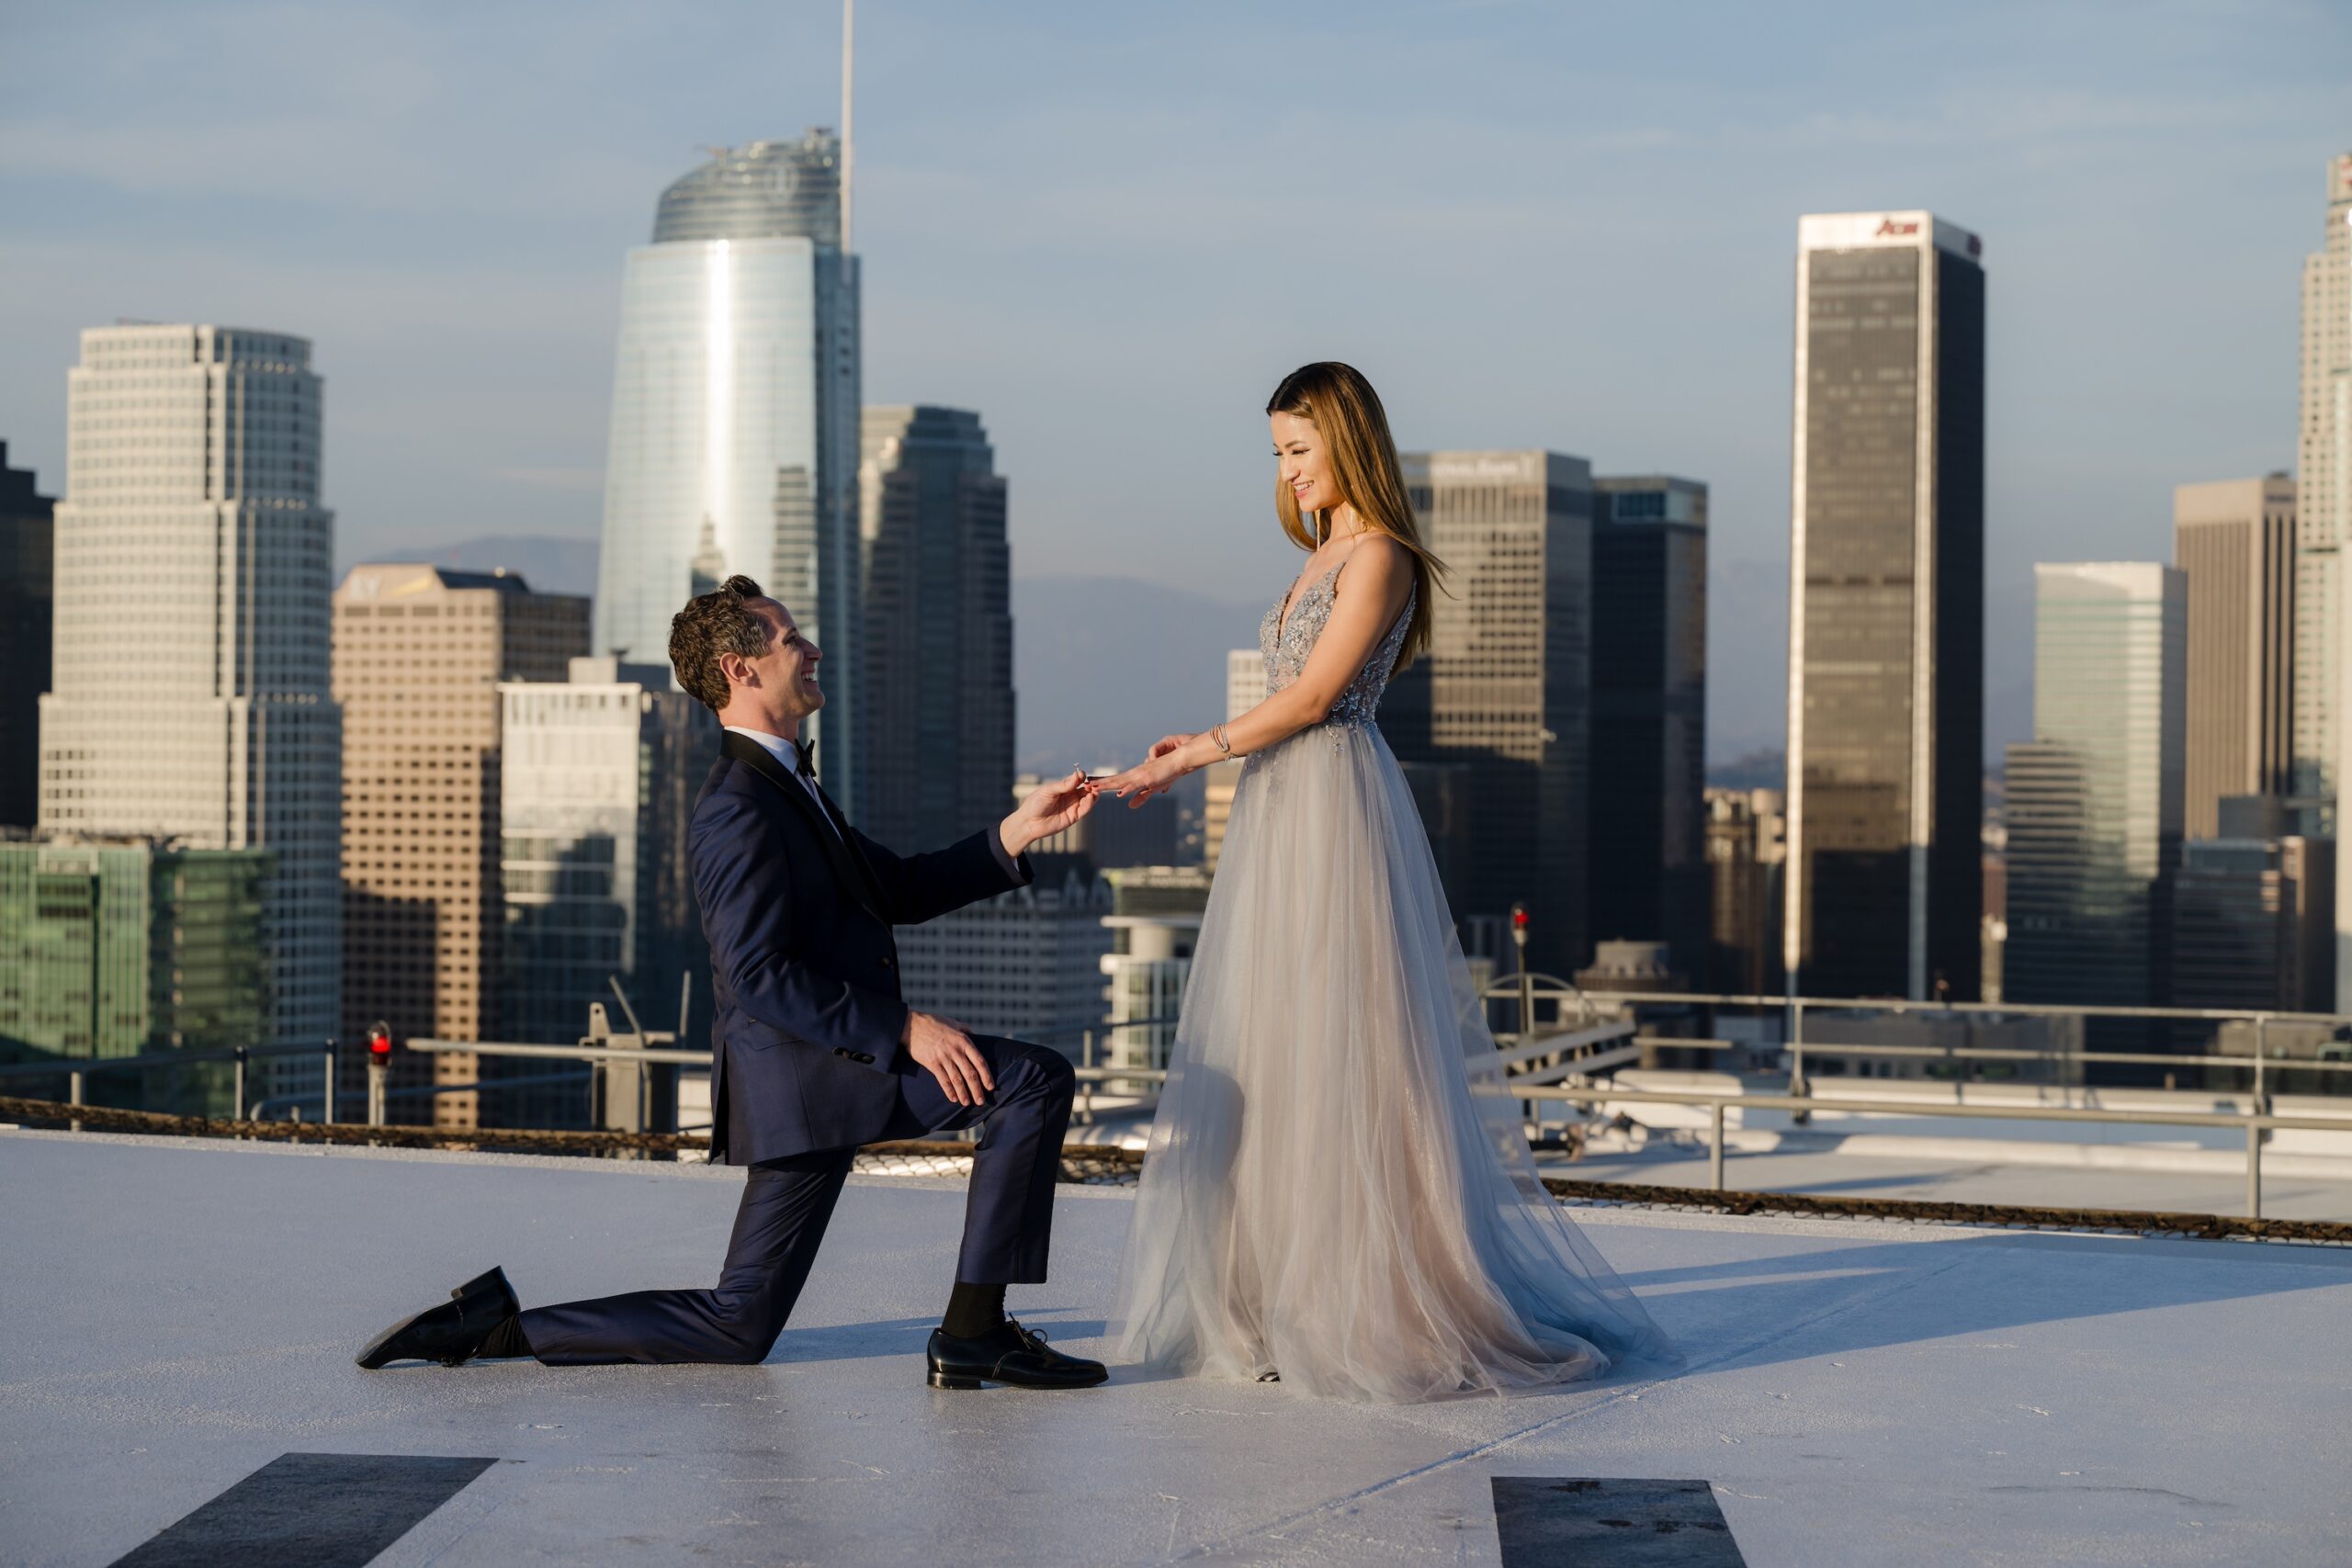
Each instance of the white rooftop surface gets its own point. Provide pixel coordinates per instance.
(179, 1314)
(1950, 1171)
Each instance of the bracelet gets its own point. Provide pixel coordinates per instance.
(1216, 733)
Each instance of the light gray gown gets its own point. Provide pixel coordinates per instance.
(1337, 1186)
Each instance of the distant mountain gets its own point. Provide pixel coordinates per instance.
(548, 563)
(1104, 666)
(1766, 768)
(1748, 662)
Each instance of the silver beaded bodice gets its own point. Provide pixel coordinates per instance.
(1286, 645)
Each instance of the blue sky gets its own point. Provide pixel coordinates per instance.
(1110, 227)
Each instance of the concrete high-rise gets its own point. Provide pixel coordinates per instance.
(1747, 858)
(935, 670)
(734, 442)
(2323, 501)
(191, 534)
(1505, 690)
(597, 781)
(1128, 836)
(2250, 917)
(2095, 799)
(1155, 923)
(2236, 542)
(1886, 608)
(1027, 963)
(1646, 870)
(26, 568)
(419, 653)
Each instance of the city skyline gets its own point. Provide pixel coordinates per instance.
(1039, 229)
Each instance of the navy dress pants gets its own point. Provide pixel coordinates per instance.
(1008, 1223)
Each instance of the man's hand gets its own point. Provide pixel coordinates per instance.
(1050, 808)
(942, 1048)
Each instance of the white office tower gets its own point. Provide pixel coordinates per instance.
(190, 692)
(1245, 688)
(734, 442)
(2323, 501)
(2323, 527)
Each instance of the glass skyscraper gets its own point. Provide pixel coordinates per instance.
(2094, 799)
(734, 442)
(117, 947)
(1886, 609)
(597, 786)
(935, 587)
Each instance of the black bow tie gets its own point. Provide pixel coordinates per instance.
(806, 767)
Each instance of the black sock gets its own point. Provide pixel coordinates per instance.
(973, 1310)
(506, 1340)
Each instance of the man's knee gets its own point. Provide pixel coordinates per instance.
(1055, 1072)
(1034, 1072)
(746, 1330)
(750, 1346)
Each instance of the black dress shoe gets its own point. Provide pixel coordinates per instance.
(450, 1333)
(1007, 1354)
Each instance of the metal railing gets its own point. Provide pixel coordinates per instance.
(2255, 1123)
(75, 1070)
(2259, 1061)
(671, 1058)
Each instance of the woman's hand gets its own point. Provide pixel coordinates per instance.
(1167, 743)
(1148, 778)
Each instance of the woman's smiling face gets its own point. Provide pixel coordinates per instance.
(1306, 462)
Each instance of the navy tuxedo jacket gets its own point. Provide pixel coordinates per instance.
(805, 1048)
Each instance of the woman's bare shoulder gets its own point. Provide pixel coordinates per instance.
(1378, 555)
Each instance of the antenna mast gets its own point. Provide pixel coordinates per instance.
(849, 146)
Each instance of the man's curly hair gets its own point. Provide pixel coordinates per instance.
(712, 623)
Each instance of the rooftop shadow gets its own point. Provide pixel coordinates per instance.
(1895, 1293)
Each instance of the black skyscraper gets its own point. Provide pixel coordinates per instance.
(1886, 626)
(26, 599)
(1646, 868)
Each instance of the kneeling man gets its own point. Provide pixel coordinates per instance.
(813, 1050)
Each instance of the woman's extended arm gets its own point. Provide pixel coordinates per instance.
(1373, 581)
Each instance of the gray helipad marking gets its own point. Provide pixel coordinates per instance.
(1547, 1520)
(310, 1511)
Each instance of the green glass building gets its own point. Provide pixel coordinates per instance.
(120, 947)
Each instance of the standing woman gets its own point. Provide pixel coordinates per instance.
(1337, 1192)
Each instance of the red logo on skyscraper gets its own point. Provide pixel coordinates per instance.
(1887, 226)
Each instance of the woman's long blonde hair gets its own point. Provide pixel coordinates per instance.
(1346, 413)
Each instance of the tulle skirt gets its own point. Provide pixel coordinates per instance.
(1337, 1186)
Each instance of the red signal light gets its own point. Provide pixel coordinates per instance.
(380, 1043)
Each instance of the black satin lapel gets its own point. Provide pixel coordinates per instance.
(847, 865)
(856, 851)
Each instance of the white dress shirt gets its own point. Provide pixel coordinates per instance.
(781, 747)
